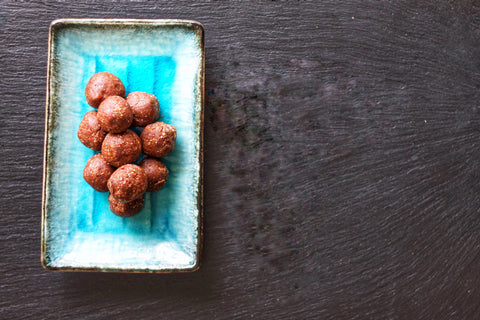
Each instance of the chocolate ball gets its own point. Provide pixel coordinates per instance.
(157, 173)
(114, 114)
(102, 85)
(145, 107)
(90, 132)
(125, 209)
(158, 139)
(97, 172)
(121, 148)
(128, 183)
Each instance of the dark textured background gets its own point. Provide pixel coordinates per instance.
(342, 165)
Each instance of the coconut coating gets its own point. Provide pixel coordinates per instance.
(102, 85)
(158, 139)
(121, 148)
(128, 183)
(125, 209)
(145, 107)
(114, 114)
(90, 132)
(157, 173)
(97, 172)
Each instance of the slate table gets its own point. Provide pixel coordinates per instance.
(342, 165)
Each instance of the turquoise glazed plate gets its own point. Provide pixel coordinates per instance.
(79, 232)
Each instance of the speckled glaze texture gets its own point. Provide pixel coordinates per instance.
(79, 233)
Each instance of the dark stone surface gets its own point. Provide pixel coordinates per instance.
(342, 165)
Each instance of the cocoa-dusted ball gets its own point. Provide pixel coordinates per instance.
(97, 172)
(125, 209)
(158, 139)
(114, 114)
(145, 107)
(102, 85)
(90, 132)
(128, 183)
(157, 173)
(121, 148)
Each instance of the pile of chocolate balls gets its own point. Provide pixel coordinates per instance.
(107, 129)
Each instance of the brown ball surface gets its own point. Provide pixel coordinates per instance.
(157, 173)
(145, 107)
(119, 149)
(102, 85)
(125, 209)
(114, 114)
(90, 132)
(128, 183)
(97, 172)
(158, 139)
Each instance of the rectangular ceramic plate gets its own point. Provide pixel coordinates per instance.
(79, 232)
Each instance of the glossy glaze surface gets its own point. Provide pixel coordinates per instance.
(164, 58)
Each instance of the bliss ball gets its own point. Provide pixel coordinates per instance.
(114, 114)
(158, 139)
(102, 85)
(90, 132)
(119, 149)
(157, 173)
(145, 107)
(97, 172)
(127, 183)
(125, 209)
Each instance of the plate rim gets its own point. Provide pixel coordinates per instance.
(57, 23)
